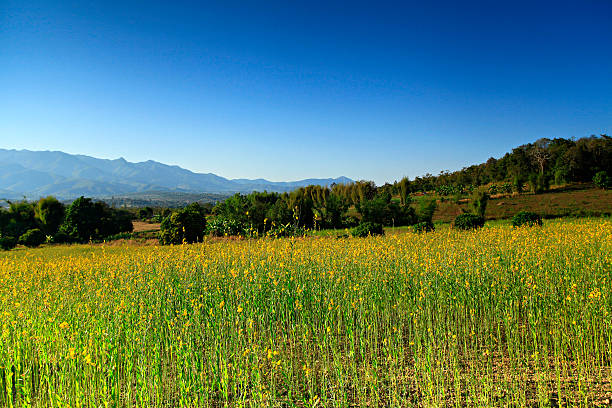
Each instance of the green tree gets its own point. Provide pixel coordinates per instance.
(87, 220)
(602, 180)
(479, 203)
(51, 214)
(186, 225)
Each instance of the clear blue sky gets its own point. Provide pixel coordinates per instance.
(284, 91)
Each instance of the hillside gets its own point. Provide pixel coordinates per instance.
(40, 173)
(573, 200)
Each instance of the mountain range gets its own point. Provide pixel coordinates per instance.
(35, 174)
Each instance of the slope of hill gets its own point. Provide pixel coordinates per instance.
(574, 200)
(39, 173)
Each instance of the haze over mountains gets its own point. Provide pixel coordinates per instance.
(40, 173)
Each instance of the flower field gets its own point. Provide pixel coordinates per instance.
(495, 317)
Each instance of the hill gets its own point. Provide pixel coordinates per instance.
(40, 173)
(574, 200)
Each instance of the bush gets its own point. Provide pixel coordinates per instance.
(426, 226)
(186, 225)
(468, 221)
(32, 238)
(220, 227)
(7, 242)
(60, 238)
(602, 180)
(367, 228)
(526, 218)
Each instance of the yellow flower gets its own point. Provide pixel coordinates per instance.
(64, 325)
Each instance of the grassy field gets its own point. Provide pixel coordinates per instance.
(496, 317)
(577, 200)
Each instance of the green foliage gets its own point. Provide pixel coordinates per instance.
(51, 214)
(538, 183)
(90, 221)
(421, 227)
(60, 237)
(367, 229)
(18, 219)
(32, 238)
(479, 203)
(517, 183)
(426, 210)
(145, 213)
(7, 242)
(561, 176)
(526, 218)
(287, 230)
(219, 227)
(602, 180)
(186, 225)
(404, 191)
(468, 221)
(381, 210)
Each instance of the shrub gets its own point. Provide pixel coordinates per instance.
(426, 226)
(526, 218)
(220, 227)
(7, 242)
(350, 221)
(468, 221)
(186, 225)
(32, 238)
(367, 228)
(60, 238)
(602, 180)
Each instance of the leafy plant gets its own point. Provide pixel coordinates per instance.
(32, 238)
(526, 218)
(186, 225)
(7, 242)
(602, 180)
(366, 229)
(219, 227)
(479, 203)
(425, 226)
(468, 221)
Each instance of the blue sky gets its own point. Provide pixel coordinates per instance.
(287, 90)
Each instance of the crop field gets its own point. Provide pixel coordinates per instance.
(495, 317)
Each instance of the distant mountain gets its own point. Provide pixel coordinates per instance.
(40, 173)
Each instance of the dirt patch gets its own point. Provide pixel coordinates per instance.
(140, 226)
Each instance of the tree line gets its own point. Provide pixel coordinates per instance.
(49, 220)
(536, 165)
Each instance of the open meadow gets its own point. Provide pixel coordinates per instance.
(501, 316)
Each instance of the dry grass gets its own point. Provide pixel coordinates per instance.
(140, 226)
(570, 202)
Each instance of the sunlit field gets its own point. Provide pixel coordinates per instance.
(496, 317)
